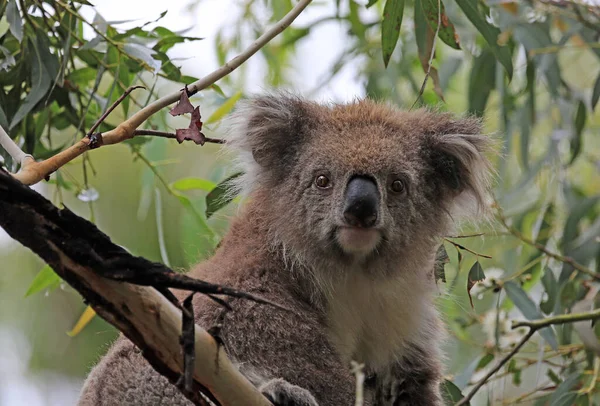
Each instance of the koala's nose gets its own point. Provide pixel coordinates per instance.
(362, 202)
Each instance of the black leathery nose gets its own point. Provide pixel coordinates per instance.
(362, 202)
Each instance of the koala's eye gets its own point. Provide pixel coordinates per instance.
(322, 182)
(398, 186)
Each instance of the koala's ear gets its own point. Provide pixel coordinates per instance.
(462, 170)
(271, 128)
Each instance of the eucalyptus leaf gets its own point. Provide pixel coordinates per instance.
(524, 303)
(435, 11)
(489, 33)
(15, 23)
(224, 108)
(451, 393)
(390, 27)
(221, 195)
(45, 279)
(40, 84)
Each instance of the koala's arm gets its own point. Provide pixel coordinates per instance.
(124, 377)
(412, 381)
(284, 354)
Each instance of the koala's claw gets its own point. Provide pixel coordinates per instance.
(282, 393)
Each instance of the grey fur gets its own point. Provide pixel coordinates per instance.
(373, 305)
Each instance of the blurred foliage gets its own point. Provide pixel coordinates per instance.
(530, 68)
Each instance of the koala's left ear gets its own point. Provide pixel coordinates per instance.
(462, 170)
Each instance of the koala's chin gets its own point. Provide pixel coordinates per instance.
(358, 241)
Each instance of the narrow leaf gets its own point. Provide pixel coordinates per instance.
(220, 196)
(451, 393)
(596, 93)
(45, 279)
(15, 23)
(193, 183)
(563, 396)
(224, 108)
(475, 275)
(580, 117)
(433, 13)
(83, 321)
(40, 84)
(390, 27)
(518, 296)
(489, 33)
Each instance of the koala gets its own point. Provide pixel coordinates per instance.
(346, 205)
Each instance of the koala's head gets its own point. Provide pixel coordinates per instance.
(357, 179)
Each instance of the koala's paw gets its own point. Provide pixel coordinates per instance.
(282, 393)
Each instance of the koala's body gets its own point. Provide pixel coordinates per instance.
(346, 208)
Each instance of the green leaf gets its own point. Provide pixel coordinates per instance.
(552, 291)
(390, 27)
(15, 22)
(371, 2)
(82, 76)
(446, 32)
(580, 117)
(489, 32)
(40, 84)
(220, 196)
(484, 361)
(45, 279)
(476, 274)
(204, 227)
(518, 296)
(193, 184)
(563, 396)
(451, 393)
(224, 108)
(596, 93)
(481, 82)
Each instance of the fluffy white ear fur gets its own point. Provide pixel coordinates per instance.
(262, 133)
(474, 172)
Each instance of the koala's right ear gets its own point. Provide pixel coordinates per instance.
(270, 128)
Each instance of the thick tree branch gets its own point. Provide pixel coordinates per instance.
(33, 172)
(77, 251)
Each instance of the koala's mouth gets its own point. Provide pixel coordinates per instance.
(358, 241)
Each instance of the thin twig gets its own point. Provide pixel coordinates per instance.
(112, 107)
(534, 325)
(503, 361)
(462, 247)
(542, 248)
(34, 172)
(165, 134)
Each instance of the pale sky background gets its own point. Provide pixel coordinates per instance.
(315, 55)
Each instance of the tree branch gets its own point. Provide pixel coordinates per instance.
(33, 172)
(13, 149)
(534, 325)
(78, 251)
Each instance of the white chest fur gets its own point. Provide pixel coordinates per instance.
(374, 321)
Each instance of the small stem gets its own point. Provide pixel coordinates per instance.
(112, 107)
(34, 172)
(549, 253)
(560, 319)
(534, 325)
(165, 134)
(13, 149)
(502, 362)
(462, 247)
